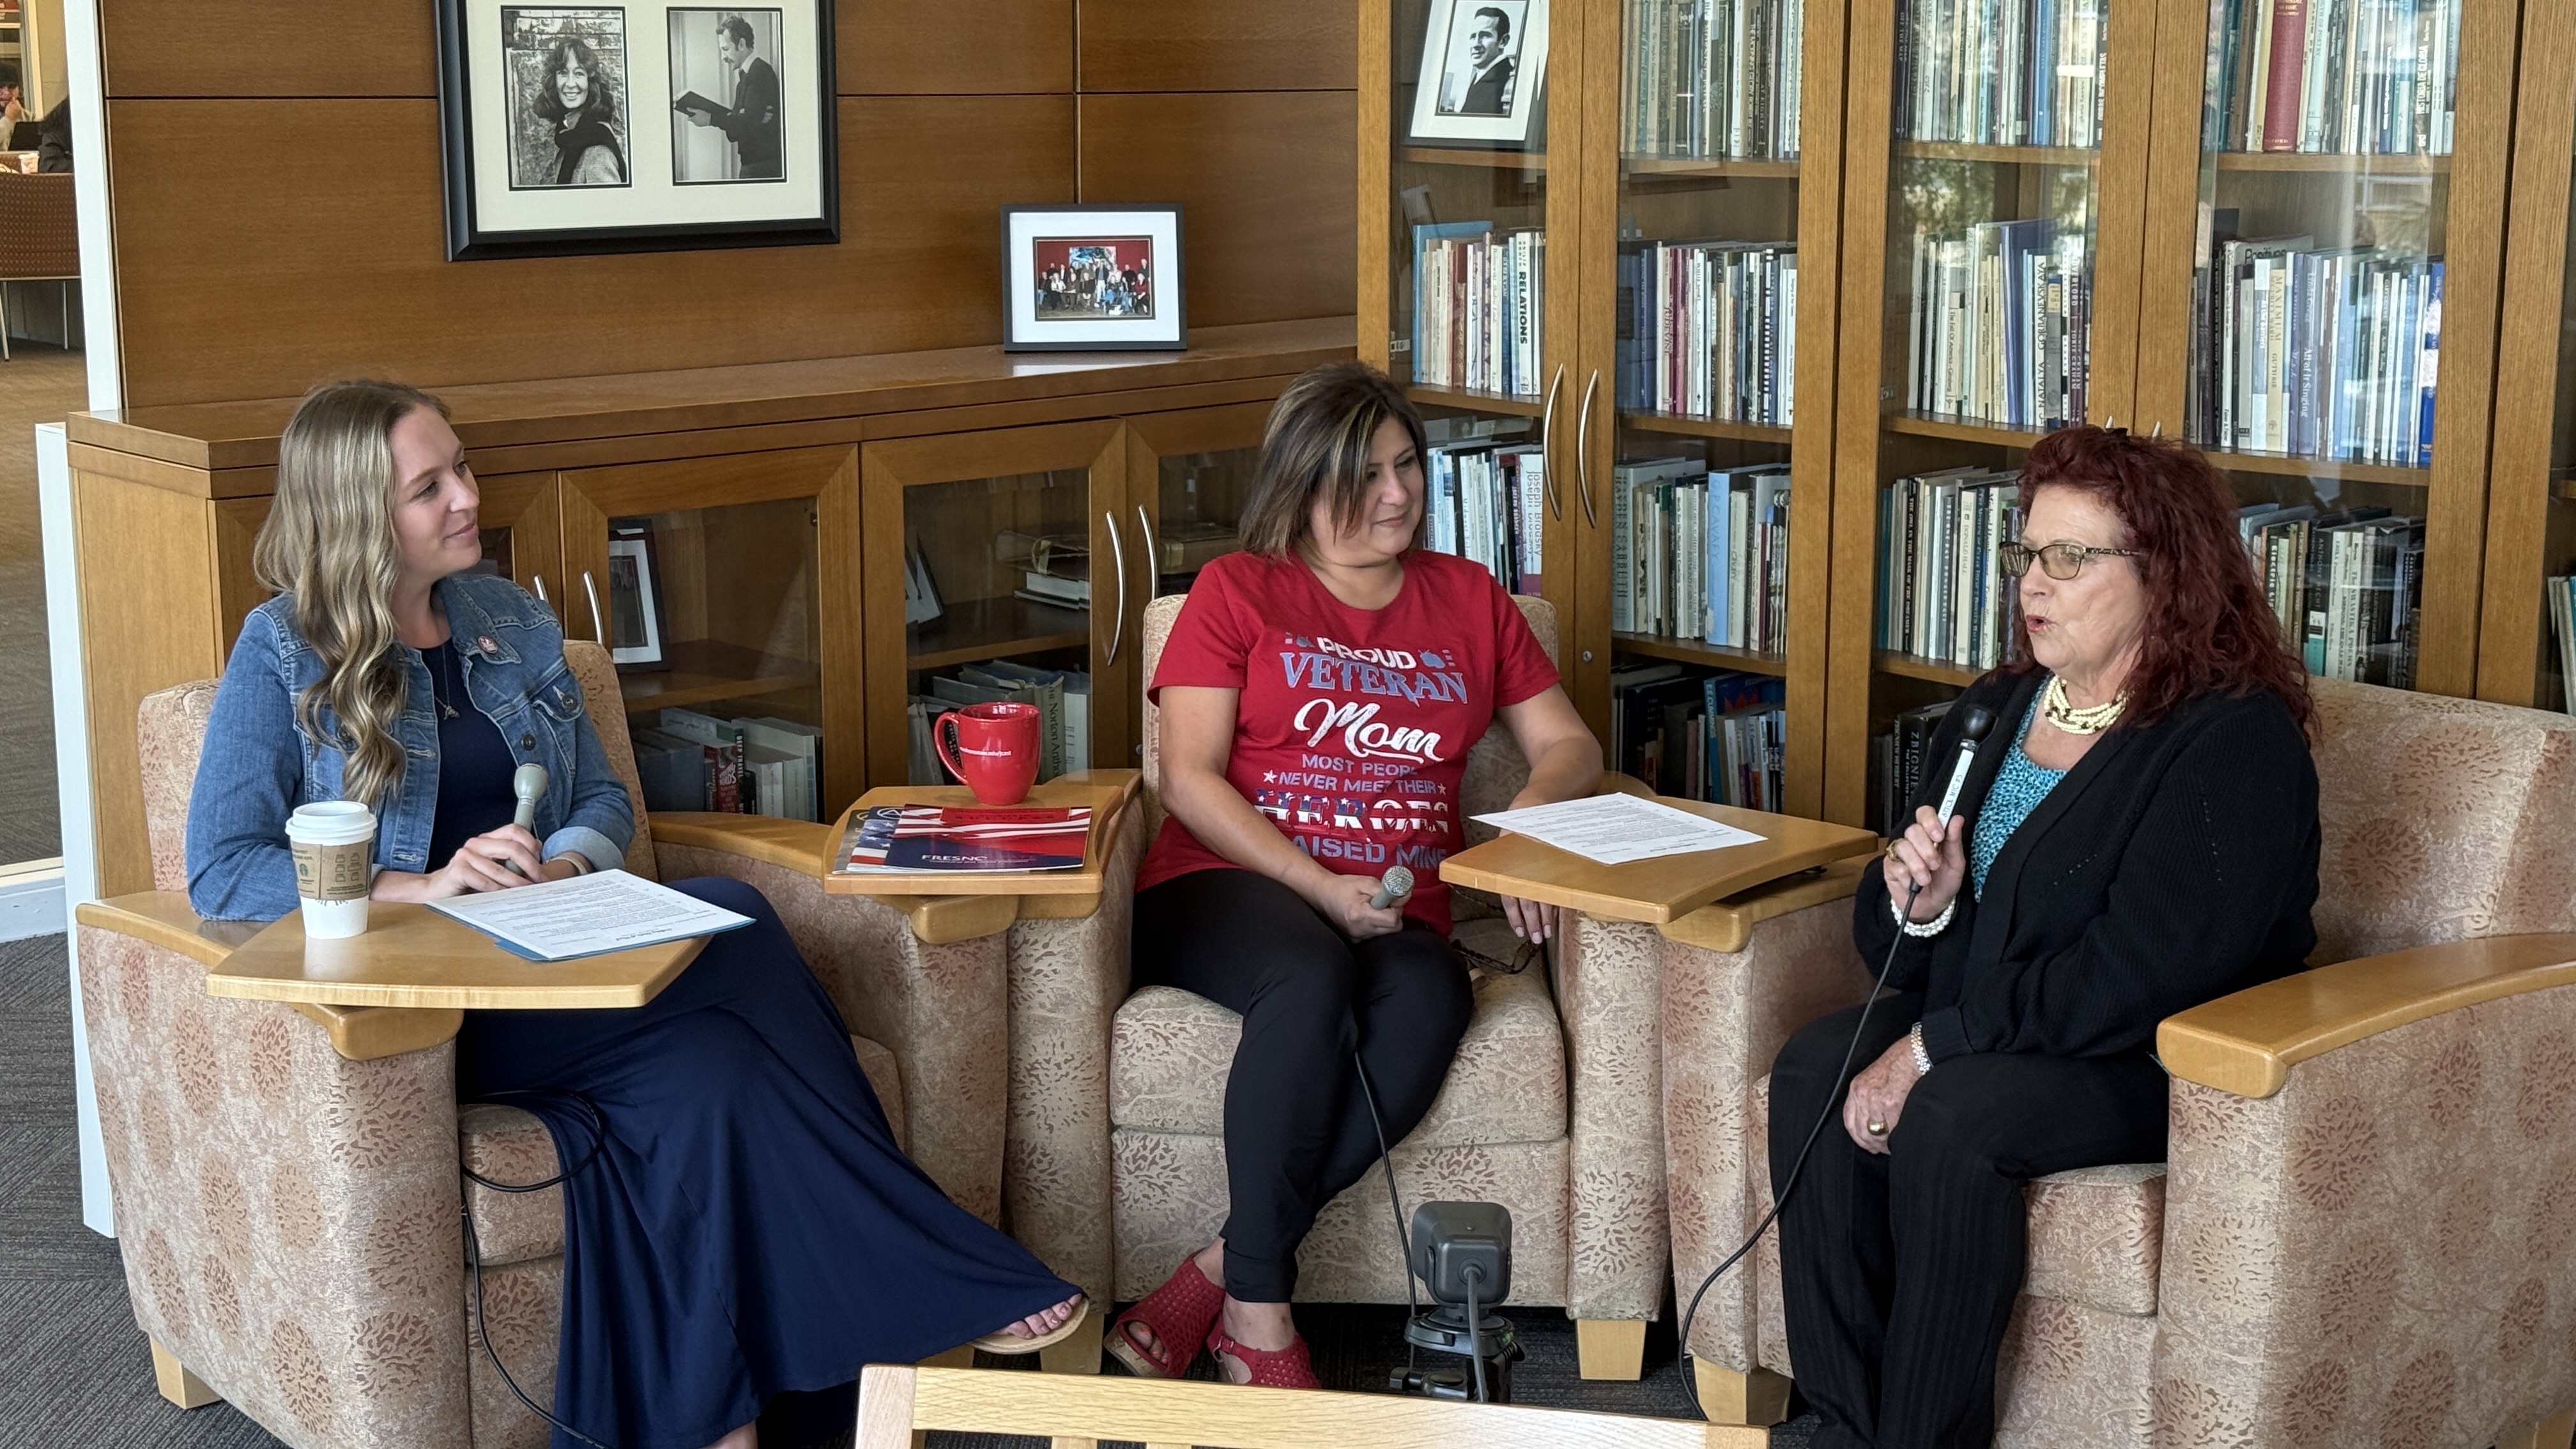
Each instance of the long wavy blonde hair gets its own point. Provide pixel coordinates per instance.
(329, 544)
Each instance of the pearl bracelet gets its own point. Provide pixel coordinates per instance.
(1932, 927)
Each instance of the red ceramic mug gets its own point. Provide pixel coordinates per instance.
(996, 753)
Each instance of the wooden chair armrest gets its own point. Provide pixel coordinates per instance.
(803, 846)
(359, 1033)
(1725, 926)
(2245, 1043)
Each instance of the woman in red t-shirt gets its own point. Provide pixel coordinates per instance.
(1319, 694)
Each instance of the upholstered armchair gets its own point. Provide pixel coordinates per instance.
(285, 1178)
(2365, 1228)
(1116, 1159)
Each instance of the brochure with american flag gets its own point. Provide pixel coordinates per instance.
(935, 837)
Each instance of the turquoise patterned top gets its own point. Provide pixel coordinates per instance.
(2019, 787)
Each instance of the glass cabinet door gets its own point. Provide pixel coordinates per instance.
(2007, 200)
(521, 522)
(1707, 533)
(1189, 475)
(2527, 654)
(726, 590)
(1001, 566)
(1480, 274)
(2330, 270)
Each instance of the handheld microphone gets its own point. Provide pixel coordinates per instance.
(1973, 724)
(1394, 886)
(528, 784)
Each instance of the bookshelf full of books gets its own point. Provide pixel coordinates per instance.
(2317, 273)
(2000, 170)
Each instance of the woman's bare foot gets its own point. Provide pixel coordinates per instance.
(746, 1437)
(1265, 1326)
(1039, 1324)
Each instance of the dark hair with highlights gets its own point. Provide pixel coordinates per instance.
(1317, 441)
(2209, 629)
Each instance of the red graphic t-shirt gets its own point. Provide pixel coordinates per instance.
(1352, 730)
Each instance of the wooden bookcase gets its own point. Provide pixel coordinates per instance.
(1598, 182)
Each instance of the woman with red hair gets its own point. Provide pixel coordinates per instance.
(2137, 835)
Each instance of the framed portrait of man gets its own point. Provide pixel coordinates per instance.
(648, 125)
(1483, 77)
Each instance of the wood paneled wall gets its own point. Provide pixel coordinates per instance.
(275, 174)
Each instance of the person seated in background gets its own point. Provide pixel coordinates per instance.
(13, 105)
(738, 1222)
(1332, 666)
(2137, 836)
(54, 138)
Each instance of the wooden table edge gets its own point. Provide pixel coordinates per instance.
(1652, 913)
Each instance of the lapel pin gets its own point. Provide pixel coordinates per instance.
(484, 643)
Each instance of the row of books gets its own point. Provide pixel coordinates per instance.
(1701, 554)
(2358, 77)
(1712, 79)
(1701, 735)
(2002, 323)
(2559, 596)
(1479, 306)
(2001, 72)
(1942, 591)
(2346, 585)
(1062, 697)
(1896, 766)
(2318, 352)
(750, 765)
(1485, 501)
(1710, 329)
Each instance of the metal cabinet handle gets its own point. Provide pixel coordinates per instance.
(1546, 463)
(598, 630)
(1153, 557)
(1118, 565)
(1583, 450)
(540, 580)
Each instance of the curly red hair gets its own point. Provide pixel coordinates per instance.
(2209, 629)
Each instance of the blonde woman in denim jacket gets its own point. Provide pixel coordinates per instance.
(738, 1222)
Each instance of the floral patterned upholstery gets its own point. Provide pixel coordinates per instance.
(2383, 1251)
(1116, 1160)
(289, 1216)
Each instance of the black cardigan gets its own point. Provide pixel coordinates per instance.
(2174, 864)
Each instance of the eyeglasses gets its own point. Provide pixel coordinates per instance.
(2060, 560)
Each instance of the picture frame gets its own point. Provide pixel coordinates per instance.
(636, 125)
(636, 624)
(1092, 279)
(1483, 78)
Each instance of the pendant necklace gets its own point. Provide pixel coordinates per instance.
(438, 676)
(2078, 721)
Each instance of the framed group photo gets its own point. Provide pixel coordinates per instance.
(572, 129)
(1091, 278)
(1484, 75)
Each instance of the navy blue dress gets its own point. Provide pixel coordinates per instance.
(750, 1227)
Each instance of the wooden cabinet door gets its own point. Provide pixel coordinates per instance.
(727, 585)
(965, 535)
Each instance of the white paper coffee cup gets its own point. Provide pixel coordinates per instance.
(333, 842)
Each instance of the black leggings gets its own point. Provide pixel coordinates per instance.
(1297, 1128)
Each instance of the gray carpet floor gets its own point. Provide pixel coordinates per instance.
(75, 1372)
(38, 384)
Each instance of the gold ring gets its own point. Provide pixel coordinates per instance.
(1876, 1129)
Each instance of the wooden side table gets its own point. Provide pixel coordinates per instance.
(1667, 889)
(946, 906)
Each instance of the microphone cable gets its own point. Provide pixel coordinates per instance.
(1403, 1239)
(474, 1248)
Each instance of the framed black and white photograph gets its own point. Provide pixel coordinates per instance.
(1484, 74)
(634, 596)
(572, 129)
(1091, 278)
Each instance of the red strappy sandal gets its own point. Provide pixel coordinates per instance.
(1179, 1314)
(1286, 1368)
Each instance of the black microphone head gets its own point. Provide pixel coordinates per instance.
(1974, 721)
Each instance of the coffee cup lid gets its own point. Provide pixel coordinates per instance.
(331, 822)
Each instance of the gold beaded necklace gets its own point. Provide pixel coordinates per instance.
(2079, 721)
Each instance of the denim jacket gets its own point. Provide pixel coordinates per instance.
(259, 764)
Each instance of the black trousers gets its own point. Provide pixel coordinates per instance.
(1899, 1271)
(1297, 1128)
